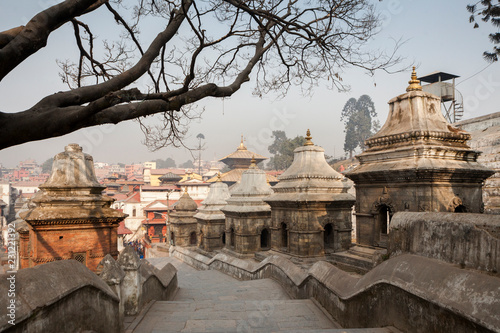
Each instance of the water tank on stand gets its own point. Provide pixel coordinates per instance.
(443, 85)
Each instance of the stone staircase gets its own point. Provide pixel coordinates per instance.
(210, 301)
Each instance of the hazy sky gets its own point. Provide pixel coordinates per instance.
(438, 38)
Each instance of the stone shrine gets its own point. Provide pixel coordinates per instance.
(311, 209)
(183, 225)
(71, 219)
(211, 221)
(248, 217)
(416, 162)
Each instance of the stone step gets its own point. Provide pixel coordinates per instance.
(235, 316)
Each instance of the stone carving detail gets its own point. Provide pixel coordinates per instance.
(383, 200)
(455, 202)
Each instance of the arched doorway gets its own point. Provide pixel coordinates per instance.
(264, 239)
(232, 237)
(192, 238)
(172, 238)
(223, 238)
(284, 235)
(384, 216)
(328, 236)
(460, 209)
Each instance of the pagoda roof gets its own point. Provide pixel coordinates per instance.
(242, 153)
(170, 176)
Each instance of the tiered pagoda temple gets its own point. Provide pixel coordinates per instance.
(238, 162)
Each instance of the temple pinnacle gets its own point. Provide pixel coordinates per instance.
(414, 82)
(253, 163)
(242, 146)
(308, 139)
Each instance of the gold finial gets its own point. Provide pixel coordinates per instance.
(308, 139)
(253, 163)
(242, 146)
(219, 178)
(414, 82)
(186, 189)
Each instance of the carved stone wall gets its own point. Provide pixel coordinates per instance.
(485, 132)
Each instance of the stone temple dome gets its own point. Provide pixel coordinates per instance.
(72, 190)
(250, 191)
(216, 199)
(186, 203)
(311, 209)
(309, 177)
(416, 162)
(72, 169)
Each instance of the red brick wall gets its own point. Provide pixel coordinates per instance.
(58, 242)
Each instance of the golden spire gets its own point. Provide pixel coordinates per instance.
(414, 82)
(308, 139)
(219, 179)
(242, 146)
(253, 163)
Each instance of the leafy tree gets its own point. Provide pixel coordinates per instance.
(488, 12)
(187, 165)
(283, 148)
(47, 165)
(359, 126)
(170, 163)
(204, 48)
(164, 164)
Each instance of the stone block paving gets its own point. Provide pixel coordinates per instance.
(210, 301)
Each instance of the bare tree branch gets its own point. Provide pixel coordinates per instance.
(201, 45)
